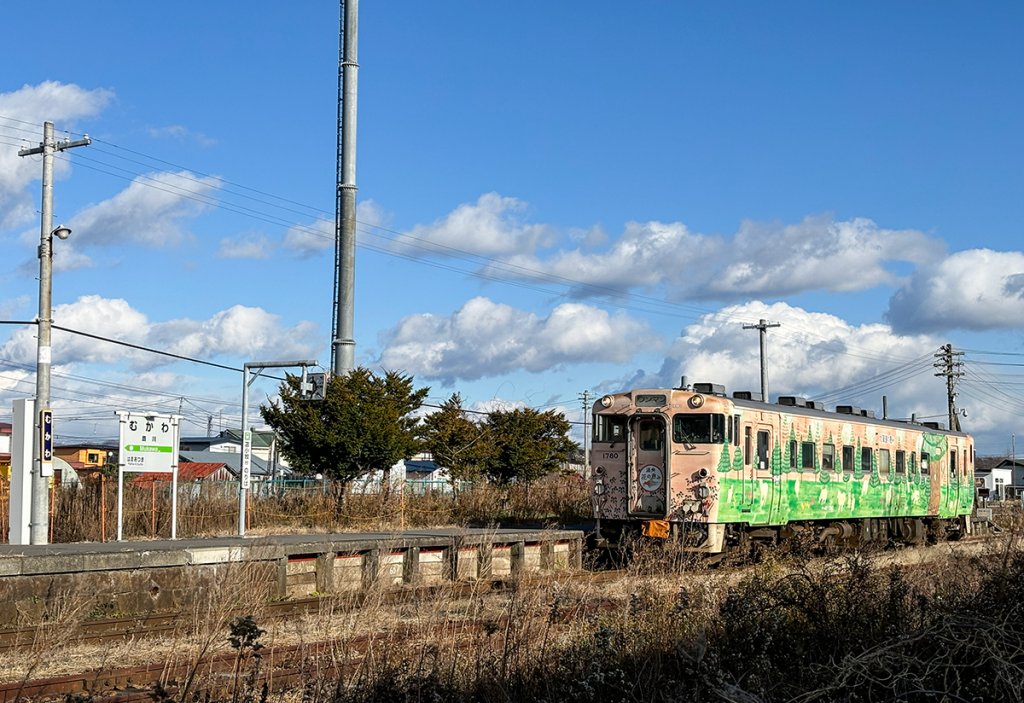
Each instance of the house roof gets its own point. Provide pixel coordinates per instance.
(231, 460)
(261, 439)
(105, 444)
(6, 428)
(187, 471)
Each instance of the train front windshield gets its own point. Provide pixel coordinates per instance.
(698, 428)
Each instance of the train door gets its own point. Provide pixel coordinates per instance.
(953, 489)
(764, 489)
(648, 475)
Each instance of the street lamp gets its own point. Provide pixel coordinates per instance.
(42, 467)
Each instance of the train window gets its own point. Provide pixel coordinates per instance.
(847, 459)
(828, 457)
(807, 456)
(609, 428)
(698, 428)
(925, 468)
(764, 441)
(746, 445)
(883, 462)
(901, 462)
(652, 436)
(865, 460)
(736, 431)
(952, 465)
(793, 453)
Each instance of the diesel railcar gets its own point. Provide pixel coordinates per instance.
(719, 472)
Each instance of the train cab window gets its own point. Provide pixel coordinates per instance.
(865, 460)
(883, 462)
(652, 436)
(847, 459)
(828, 457)
(794, 453)
(807, 456)
(609, 428)
(698, 428)
(952, 465)
(925, 461)
(901, 462)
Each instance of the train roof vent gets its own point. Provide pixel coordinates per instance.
(848, 409)
(815, 405)
(709, 389)
(746, 395)
(933, 425)
(867, 413)
(793, 400)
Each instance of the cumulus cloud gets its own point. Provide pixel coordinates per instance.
(810, 354)
(484, 338)
(305, 241)
(246, 246)
(759, 260)
(150, 211)
(492, 226)
(61, 103)
(238, 331)
(976, 289)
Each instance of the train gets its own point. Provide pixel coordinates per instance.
(721, 473)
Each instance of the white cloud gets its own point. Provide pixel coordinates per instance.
(489, 227)
(150, 211)
(759, 260)
(484, 338)
(246, 246)
(24, 112)
(808, 355)
(238, 331)
(309, 240)
(976, 289)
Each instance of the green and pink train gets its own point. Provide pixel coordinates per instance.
(719, 472)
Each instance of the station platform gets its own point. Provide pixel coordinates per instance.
(157, 575)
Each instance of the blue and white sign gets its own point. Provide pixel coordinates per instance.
(46, 442)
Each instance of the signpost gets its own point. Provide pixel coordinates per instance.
(46, 442)
(147, 443)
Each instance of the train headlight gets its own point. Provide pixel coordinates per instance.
(696, 401)
(599, 471)
(606, 401)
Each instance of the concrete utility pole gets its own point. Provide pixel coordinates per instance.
(763, 326)
(585, 401)
(343, 344)
(42, 465)
(949, 365)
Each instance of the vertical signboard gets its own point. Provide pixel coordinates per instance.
(147, 443)
(46, 442)
(246, 459)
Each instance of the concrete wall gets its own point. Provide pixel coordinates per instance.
(120, 579)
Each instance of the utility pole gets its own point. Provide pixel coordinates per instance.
(948, 364)
(763, 326)
(585, 400)
(42, 465)
(343, 343)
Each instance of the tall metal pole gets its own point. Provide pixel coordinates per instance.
(585, 400)
(763, 326)
(343, 343)
(42, 466)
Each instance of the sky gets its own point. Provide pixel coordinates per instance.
(553, 199)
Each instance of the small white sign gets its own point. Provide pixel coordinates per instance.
(246, 459)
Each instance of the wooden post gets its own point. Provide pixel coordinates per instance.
(53, 491)
(152, 508)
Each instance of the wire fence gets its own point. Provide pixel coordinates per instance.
(87, 512)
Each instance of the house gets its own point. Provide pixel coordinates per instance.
(264, 446)
(88, 459)
(231, 463)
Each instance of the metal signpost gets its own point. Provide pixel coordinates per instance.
(245, 472)
(147, 443)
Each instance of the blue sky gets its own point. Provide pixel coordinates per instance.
(554, 197)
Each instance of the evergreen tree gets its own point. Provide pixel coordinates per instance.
(365, 423)
(457, 443)
(525, 444)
